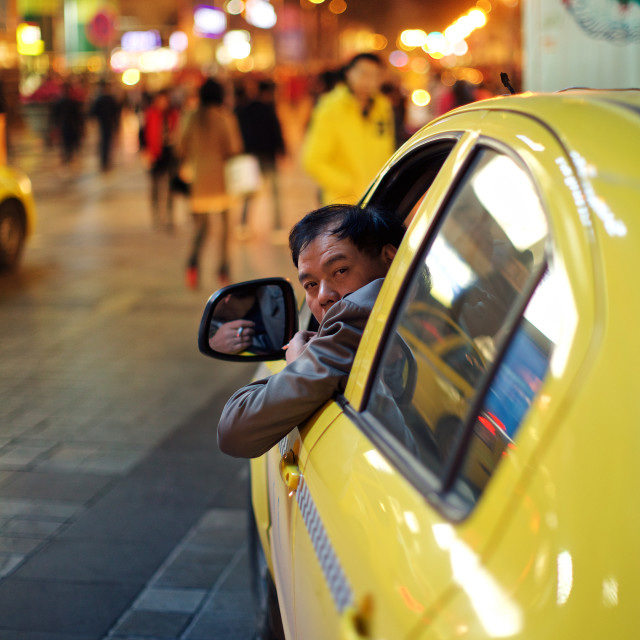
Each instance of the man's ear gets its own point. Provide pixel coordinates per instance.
(388, 254)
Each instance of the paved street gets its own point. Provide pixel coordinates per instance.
(119, 518)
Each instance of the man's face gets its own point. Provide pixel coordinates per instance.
(329, 268)
(364, 79)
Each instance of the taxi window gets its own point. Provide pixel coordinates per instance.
(404, 186)
(513, 387)
(460, 310)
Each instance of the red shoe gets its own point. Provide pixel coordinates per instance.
(192, 277)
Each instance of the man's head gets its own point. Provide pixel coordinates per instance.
(364, 75)
(339, 249)
(211, 93)
(266, 90)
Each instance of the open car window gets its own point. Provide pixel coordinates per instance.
(405, 184)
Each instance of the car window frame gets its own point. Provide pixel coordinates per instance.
(438, 490)
(442, 144)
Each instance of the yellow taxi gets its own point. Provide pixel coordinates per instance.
(17, 215)
(505, 338)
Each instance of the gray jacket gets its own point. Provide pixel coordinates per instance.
(260, 414)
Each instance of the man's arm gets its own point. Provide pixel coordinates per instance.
(260, 414)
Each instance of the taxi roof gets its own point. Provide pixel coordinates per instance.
(590, 121)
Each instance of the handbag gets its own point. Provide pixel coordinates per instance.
(242, 175)
(178, 185)
(181, 180)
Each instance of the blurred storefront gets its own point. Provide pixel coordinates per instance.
(428, 46)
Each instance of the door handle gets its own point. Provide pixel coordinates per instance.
(289, 470)
(355, 621)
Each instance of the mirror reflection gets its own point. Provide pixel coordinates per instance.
(249, 319)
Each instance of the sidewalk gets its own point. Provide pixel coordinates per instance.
(119, 517)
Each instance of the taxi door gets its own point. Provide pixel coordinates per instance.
(366, 557)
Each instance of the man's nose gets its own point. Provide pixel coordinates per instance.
(327, 294)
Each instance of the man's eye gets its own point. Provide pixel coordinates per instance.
(342, 270)
(309, 285)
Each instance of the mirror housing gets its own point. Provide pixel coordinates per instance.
(250, 321)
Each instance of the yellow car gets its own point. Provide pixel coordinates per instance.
(17, 215)
(508, 318)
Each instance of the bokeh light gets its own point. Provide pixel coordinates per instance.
(419, 65)
(411, 38)
(261, 14)
(131, 77)
(460, 48)
(478, 18)
(179, 41)
(398, 59)
(338, 6)
(378, 42)
(421, 97)
(436, 45)
(237, 43)
(234, 7)
(245, 65)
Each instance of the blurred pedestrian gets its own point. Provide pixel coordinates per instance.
(399, 105)
(68, 120)
(210, 137)
(161, 136)
(459, 94)
(106, 111)
(351, 134)
(262, 136)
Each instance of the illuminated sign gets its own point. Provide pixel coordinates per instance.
(100, 30)
(29, 39)
(209, 22)
(141, 40)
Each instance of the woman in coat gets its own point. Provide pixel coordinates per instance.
(211, 136)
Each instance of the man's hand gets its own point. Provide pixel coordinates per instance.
(298, 344)
(233, 337)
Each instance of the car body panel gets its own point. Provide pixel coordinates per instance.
(550, 547)
(16, 184)
(375, 524)
(17, 215)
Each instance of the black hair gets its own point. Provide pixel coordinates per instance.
(211, 92)
(266, 86)
(371, 57)
(369, 229)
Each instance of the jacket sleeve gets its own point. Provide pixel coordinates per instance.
(260, 414)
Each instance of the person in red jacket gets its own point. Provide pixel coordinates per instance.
(160, 133)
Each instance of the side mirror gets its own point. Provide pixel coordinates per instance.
(249, 321)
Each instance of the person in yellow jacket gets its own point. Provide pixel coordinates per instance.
(351, 133)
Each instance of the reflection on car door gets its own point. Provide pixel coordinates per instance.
(365, 555)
